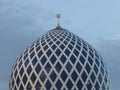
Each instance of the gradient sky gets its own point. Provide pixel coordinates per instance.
(96, 21)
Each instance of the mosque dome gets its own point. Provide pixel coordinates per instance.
(59, 60)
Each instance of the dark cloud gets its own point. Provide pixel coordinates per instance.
(110, 51)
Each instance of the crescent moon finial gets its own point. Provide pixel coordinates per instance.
(58, 16)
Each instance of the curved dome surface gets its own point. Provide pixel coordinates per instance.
(59, 60)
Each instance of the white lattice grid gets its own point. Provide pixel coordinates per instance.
(59, 37)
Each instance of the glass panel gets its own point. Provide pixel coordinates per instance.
(24, 79)
(69, 85)
(58, 85)
(84, 53)
(32, 55)
(97, 87)
(21, 71)
(21, 87)
(38, 48)
(91, 54)
(53, 76)
(40, 53)
(67, 52)
(78, 67)
(78, 47)
(31, 49)
(43, 60)
(62, 46)
(72, 42)
(29, 69)
(82, 59)
(93, 77)
(76, 52)
(48, 52)
(50, 43)
(65, 42)
(84, 76)
(73, 59)
(45, 48)
(18, 81)
(38, 68)
(34, 61)
(53, 59)
(15, 74)
(33, 78)
(64, 76)
(26, 62)
(63, 59)
(57, 42)
(70, 47)
(74, 76)
(95, 69)
(48, 67)
(89, 85)
(100, 78)
(53, 47)
(58, 67)
(48, 85)
(97, 62)
(38, 85)
(79, 85)
(20, 64)
(88, 68)
(68, 67)
(58, 52)
(42, 76)
(90, 60)
(25, 56)
(29, 87)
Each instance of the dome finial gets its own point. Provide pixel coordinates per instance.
(58, 17)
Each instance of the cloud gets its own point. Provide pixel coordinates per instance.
(20, 25)
(110, 51)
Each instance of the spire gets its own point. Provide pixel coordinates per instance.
(58, 17)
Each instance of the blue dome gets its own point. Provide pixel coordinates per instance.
(59, 60)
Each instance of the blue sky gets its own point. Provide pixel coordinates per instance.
(96, 21)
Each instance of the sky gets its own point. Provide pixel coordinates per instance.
(96, 21)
